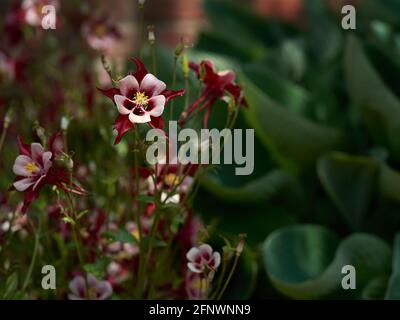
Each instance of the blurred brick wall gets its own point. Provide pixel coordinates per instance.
(176, 18)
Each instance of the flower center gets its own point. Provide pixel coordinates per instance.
(100, 30)
(92, 293)
(141, 99)
(32, 167)
(171, 179)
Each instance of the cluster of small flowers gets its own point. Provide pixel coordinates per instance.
(140, 99)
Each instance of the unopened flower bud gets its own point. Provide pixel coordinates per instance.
(185, 65)
(8, 118)
(151, 35)
(240, 246)
(64, 123)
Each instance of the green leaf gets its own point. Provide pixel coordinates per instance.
(350, 182)
(375, 289)
(379, 107)
(393, 291)
(11, 286)
(97, 268)
(121, 236)
(305, 261)
(68, 220)
(293, 140)
(145, 198)
(255, 191)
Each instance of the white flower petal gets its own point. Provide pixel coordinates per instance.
(46, 160)
(23, 184)
(139, 119)
(119, 101)
(192, 254)
(217, 259)
(206, 248)
(156, 106)
(128, 85)
(151, 85)
(19, 166)
(37, 152)
(193, 268)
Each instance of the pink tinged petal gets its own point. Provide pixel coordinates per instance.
(104, 290)
(144, 118)
(19, 166)
(23, 184)
(38, 182)
(156, 106)
(46, 160)
(37, 152)
(217, 259)
(192, 254)
(205, 249)
(152, 86)
(74, 297)
(91, 280)
(77, 286)
(193, 268)
(121, 101)
(129, 86)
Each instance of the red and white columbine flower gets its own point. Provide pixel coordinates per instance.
(202, 259)
(140, 98)
(97, 290)
(34, 168)
(217, 85)
(101, 35)
(32, 10)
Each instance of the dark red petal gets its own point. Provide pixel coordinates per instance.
(122, 125)
(56, 144)
(110, 93)
(141, 70)
(157, 123)
(210, 75)
(24, 149)
(30, 195)
(170, 94)
(196, 68)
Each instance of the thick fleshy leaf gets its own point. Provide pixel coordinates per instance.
(292, 139)
(393, 290)
(379, 106)
(350, 181)
(306, 261)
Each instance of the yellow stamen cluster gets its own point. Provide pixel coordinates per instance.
(31, 167)
(141, 99)
(100, 30)
(171, 179)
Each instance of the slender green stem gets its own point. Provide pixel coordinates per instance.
(3, 133)
(237, 256)
(141, 30)
(171, 110)
(154, 58)
(35, 251)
